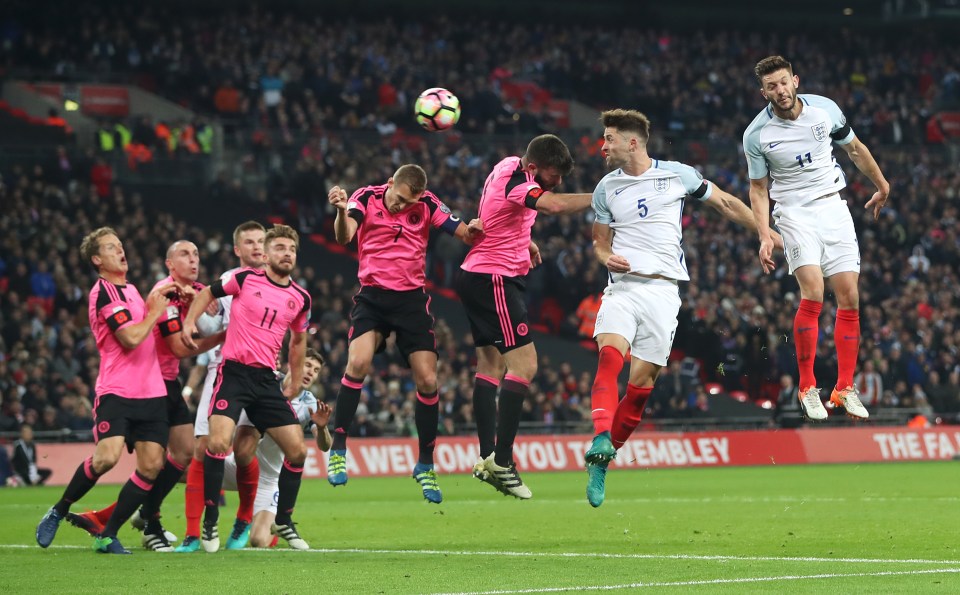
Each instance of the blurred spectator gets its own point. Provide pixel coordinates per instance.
(363, 426)
(869, 383)
(101, 176)
(787, 413)
(7, 477)
(25, 459)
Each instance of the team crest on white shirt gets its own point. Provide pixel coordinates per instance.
(661, 185)
(820, 131)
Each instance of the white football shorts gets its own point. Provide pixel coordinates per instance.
(644, 312)
(819, 233)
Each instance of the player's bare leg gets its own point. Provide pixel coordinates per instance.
(260, 535)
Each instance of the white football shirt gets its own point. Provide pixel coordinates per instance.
(644, 213)
(798, 154)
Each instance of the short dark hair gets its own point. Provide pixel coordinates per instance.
(245, 226)
(90, 246)
(547, 150)
(314, 354)
(413, 176)
(627, 120)
(282, 231)
(769, 65)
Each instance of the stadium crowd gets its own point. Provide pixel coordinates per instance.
(314, 109)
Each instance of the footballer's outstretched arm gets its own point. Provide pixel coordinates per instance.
(551, 203)
(344, 226)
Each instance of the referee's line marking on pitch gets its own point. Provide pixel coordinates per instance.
(716, 581)
(706, 558)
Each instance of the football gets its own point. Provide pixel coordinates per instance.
(437, 109)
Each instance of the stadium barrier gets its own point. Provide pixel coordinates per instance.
(397, 456)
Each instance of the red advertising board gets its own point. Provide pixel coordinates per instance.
(949, 123)
(397, 456)
(103, 100)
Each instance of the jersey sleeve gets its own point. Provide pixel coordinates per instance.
(599, 204)
(169, 322)
(208, 325)
(840, 130)
(441, 217)
(111, 308)
(229, 283)
(756, 163)
(357, 205)
(693, 182)
(302, 322)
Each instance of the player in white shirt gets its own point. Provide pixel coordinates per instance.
(790, 143)
(248, 241)
(310, 413)
(637, 235)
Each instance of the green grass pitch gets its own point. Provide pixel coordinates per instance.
(879, 528)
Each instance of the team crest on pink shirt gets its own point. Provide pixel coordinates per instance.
(414, 218)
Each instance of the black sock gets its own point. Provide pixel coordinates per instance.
(132, 495)
(348, 398)
(162, 485)
(485, 413)
(426, 415)
(512, 394)
(212, 484)
(288, 486)
(84, 478)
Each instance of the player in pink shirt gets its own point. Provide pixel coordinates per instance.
(130, 407)
(492, 287)
(183, 263)
(248, 240)
(266, 304)
(392, 224)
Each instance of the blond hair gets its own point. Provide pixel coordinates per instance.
(90, 246)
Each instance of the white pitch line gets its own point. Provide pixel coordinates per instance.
(718, 581)
(601, 555)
